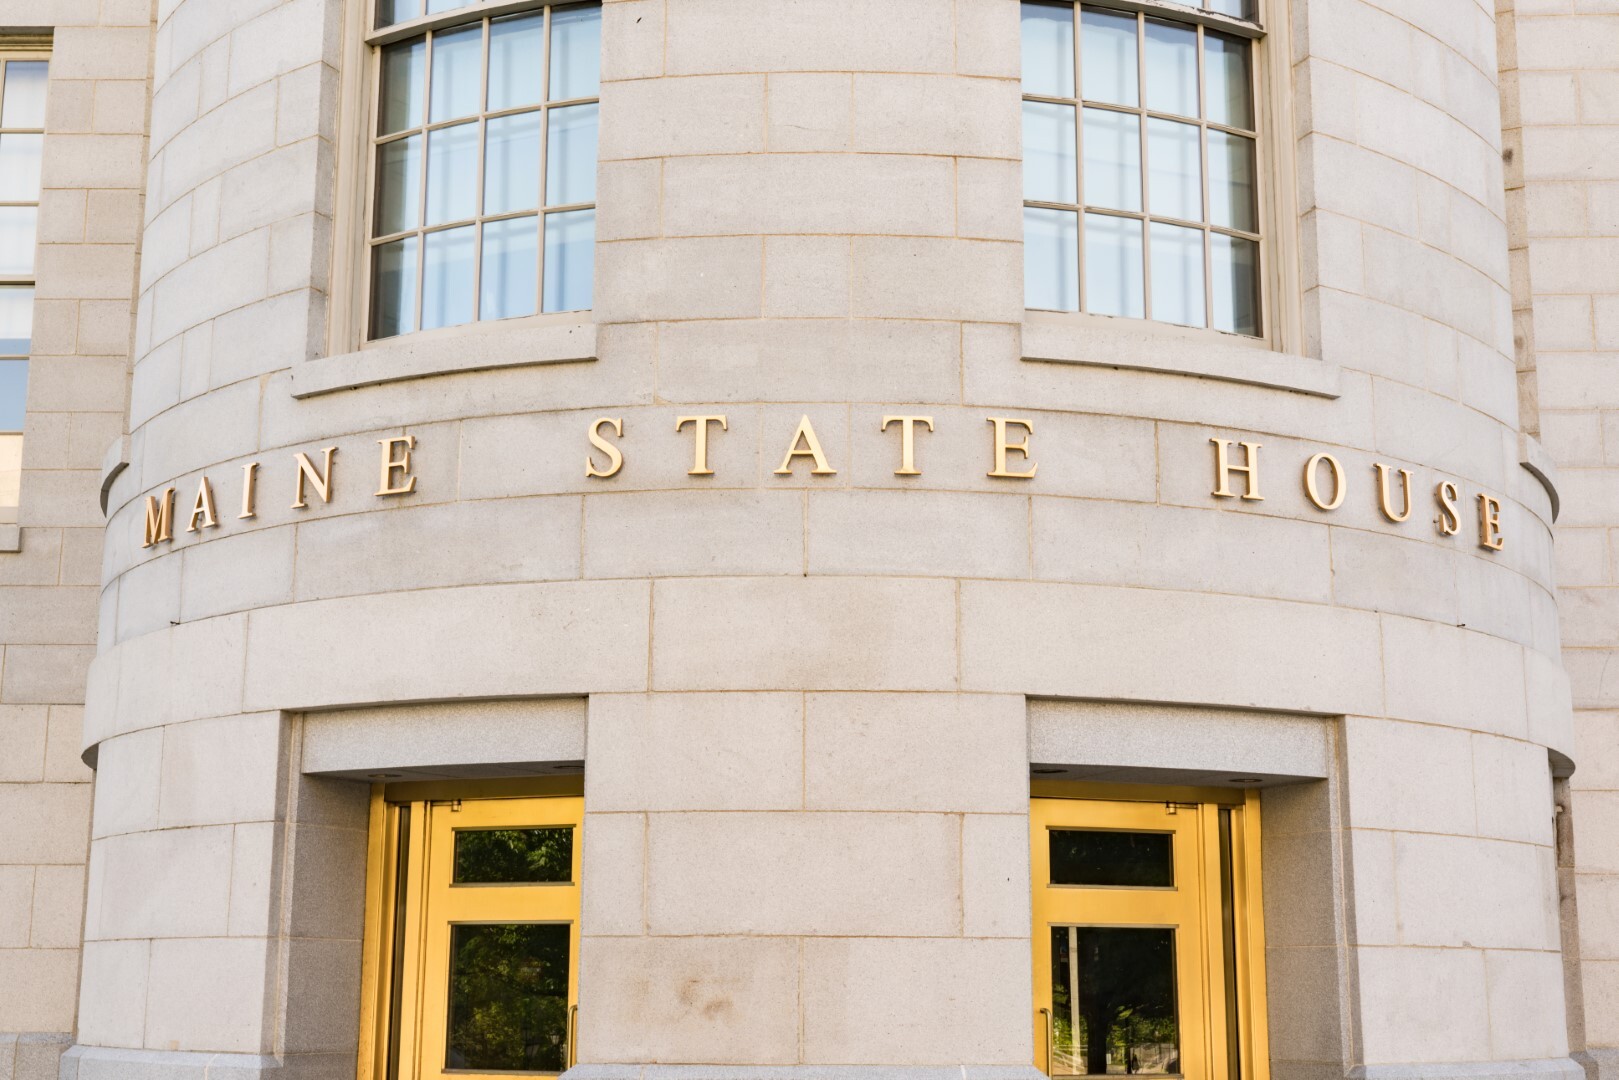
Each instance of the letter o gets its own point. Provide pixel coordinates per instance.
(1338, 483)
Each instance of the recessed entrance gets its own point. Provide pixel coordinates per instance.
(1147, 946)
(473, 923)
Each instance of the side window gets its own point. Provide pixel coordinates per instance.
(1140, 164)
(22, 138)
(483, 157)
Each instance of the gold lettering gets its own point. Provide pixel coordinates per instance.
(1450, 518)
(699, 464)
(322, 481)
(1383, 491)
(805, 436)
(1311, 472)
(1489, 524)
(907, 441)
(1002, 446)
(249, 486)
(1223, 470)
(393, 461)
(615, 457)
(159, 517)
(202, 507)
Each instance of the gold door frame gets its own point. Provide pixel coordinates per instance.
(1212, 1048)
(395, 1031)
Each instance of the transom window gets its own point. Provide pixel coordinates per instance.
(485, 166)
(22, 140)
(1140, 171)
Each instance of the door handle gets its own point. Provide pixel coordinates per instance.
(571, 1035)
(1047, 1014)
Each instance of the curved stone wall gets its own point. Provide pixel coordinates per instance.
(807, 740)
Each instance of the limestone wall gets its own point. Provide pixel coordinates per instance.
(807, 739)
(89, 238)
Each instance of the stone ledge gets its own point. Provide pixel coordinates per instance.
(477, 347)
(118, 1063)
(113, 463)
(1561, 1068)
(1533, 457)
(10, 539)
(1101, 341)
(803, 1072)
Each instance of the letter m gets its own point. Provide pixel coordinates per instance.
(159, 518)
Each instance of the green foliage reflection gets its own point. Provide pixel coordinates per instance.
(513, 856)
(508, 997)
(1125, 983)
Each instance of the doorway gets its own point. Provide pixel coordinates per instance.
(1148, 951)
(472, 931)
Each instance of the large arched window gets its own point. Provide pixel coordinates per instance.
(1141, 163)
(483, 159)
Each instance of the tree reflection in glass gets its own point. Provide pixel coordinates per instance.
(513, 856)
(1113, 1002)
(508, 997)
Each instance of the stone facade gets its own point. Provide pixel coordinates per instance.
(808, 705)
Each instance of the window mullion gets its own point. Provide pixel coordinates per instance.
(1079, 156)
(545, 149)
(421, 191)
(1203, 168)
(477, 196)
(1146, 167)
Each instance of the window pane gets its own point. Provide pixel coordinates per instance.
(452, 173)
(17, 240)
(1113, 274)
(1050, 172)
(437, 7)
(1234, 269)
(1229, 92)
(1237, 9)
(1171, 52)
(23, 102)
(570, 260)
(1098, 857)
(1112, 159)
(1048, 49)
(404, 74)
(19, 167)
(1050, 259)
(1109, 42)
(448, 272)
(393, 288)
(508, 997)
(570, 155)
(1114, 1008)
(1231, 182)
(1174, 173)
(457, 72)
(513, 856)
(397, 11)
(16, 319)
(511, 165)
(516, 62)
(511, 259)
(399, 185)
(13, 394)
(1177, 274)
(576, 52)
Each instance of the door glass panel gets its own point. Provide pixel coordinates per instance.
(513, 856)
(1141, 860)
(508, 997)
(1113, 1000)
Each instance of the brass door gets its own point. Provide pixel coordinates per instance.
(1142, 941)
(479, 924)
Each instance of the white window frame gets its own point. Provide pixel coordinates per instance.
(349, 322)
(1280, 298)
